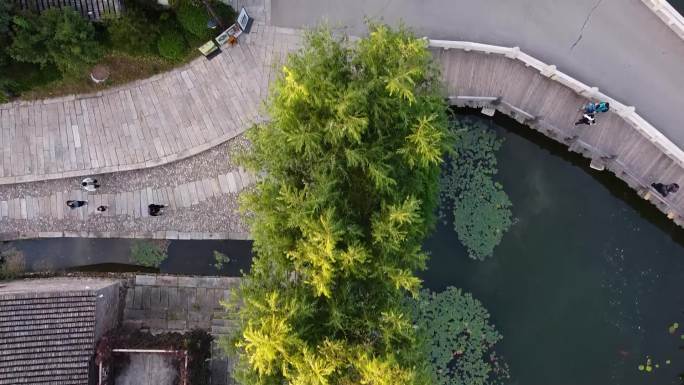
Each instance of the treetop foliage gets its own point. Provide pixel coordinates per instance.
(350, 162)
(58, 36)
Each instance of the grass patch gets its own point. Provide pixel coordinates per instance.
(27, 75)
(124, 69)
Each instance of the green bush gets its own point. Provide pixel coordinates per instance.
(193, 18)
(171, 45)
(8, 88)
(5, 17)
(12, 264)
(132, 33)
(148, 253)
(58, 36)
(224, 12)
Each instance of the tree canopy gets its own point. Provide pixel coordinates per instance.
(58, 36)
(349, 166)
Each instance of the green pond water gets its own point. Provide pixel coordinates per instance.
(585, 285)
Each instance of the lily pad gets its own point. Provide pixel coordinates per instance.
(673, 327)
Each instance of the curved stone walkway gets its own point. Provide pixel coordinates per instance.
(201, 194)
(494, 81)
(146, 123)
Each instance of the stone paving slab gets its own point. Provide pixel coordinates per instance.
(177, 303)
(49, 215)
(146, 123)
(196, 208)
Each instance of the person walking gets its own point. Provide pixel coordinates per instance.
(89, 184)
(588, 108)
(665, 189)
(602, 107)
(587, 119)
(592, 108)
(75, 204)
(155, 209)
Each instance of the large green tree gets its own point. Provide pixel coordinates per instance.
(58, 36)
(349, 165)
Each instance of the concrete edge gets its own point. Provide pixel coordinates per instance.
(574, 145)
(170, 235)
(667, 14)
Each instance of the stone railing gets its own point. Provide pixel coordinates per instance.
(667, 14)
(627, 113)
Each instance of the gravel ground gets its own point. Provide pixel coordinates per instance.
(213, 215)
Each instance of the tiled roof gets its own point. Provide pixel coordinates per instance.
(46, 337)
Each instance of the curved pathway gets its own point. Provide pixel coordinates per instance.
(146, 123)
(619, 46)
(494, 81)
(200, 193)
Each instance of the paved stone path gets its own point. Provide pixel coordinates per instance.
(146, 123)
(177, 303)
(201, 194)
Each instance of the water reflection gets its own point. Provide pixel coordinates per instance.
(587, 281)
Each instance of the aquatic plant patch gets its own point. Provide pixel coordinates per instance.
(481, 207)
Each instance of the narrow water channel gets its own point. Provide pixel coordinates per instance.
(114, 255)
(585, 284)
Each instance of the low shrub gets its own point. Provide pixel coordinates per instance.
(196, 342)
(12, 264)
(58, 36)
(193, 18)
(224, 12)
(149, 253)
(171, 45)
(132, 33)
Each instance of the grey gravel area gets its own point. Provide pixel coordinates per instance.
(212, 162)
(216, 215)
(207, 205)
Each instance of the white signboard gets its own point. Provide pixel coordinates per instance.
(243, 19)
